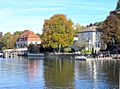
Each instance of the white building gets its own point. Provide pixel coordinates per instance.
(27, 38)
(90, 37)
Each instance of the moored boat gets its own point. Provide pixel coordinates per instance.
(80, 58)
(1, 54)
(38, 55)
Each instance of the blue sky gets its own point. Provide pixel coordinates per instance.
(18, 15)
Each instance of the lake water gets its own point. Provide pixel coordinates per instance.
(58, 73)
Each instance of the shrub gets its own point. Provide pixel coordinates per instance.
(67, 50)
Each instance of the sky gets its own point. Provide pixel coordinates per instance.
(19, 15)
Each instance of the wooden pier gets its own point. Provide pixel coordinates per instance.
(15, 52)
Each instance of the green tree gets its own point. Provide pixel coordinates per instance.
(58, 32)
(18, 33)
(118, 5)
(33, 48)
(78, 28)
(8, 40)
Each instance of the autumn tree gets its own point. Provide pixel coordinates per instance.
(111, 30)
(58, 32)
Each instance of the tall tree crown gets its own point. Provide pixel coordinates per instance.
(58, 31)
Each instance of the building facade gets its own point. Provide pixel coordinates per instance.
(27, 37)
(90, 38)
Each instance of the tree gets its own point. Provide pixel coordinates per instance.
(97, 23)
(118, 5)
(111, 30)
(33, 48)
(18, 33)
(58, 32)
(78, 28)
(8, 40)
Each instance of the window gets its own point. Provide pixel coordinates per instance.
(96, 45)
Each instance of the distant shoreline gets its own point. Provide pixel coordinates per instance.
(76, 54)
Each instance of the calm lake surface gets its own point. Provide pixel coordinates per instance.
(58, 73)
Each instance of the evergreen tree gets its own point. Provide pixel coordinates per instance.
(118, 5)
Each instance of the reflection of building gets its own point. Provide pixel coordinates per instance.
(86, 73)
(90, 37)
(27, 38)
(35, 71)
(32, 68)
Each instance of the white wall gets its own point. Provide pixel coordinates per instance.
(92, 38)
(26, 43)
(33, 42)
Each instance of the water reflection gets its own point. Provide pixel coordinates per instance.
(52, 73)
(59, 73)
(97, 75)
(21, 73)
(35, 69)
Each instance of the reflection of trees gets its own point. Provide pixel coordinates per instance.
(59, 73)
(112, 71)
(107, 71)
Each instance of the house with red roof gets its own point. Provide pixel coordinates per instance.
(26, 38)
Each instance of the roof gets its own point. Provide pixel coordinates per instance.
(30, 35)
(91, 29)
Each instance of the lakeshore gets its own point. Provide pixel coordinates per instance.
(23, 52)
(72, 56)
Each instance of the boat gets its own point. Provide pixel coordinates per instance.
(81, 57)
(34, 55)
(1, 54)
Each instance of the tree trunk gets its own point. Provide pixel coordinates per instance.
(59, 47)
